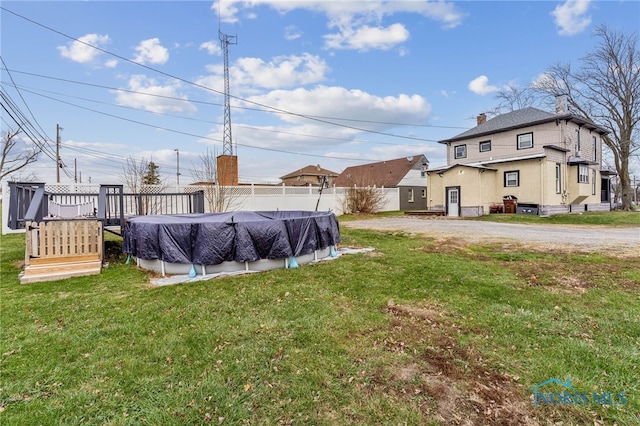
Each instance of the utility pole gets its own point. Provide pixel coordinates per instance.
(75, 170)
(58, 162)
(177, 166)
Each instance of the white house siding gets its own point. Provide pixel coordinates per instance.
(555, 155)
(505, 145)
(414, 177)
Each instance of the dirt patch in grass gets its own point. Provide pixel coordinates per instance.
(446, 382)
(572, 277)
(540, 266)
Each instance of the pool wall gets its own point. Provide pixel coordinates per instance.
(228, 242)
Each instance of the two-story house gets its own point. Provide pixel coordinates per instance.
(547, 163)
(309, 175)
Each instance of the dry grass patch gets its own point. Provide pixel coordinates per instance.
(448, 383)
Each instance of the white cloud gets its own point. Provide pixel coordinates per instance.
(325, 102)
(546, 81)
(444, 94)
(249, 74)
(291, 32)
(145, 93)
(212, 47)
(83, 50)
(313, 130)
(358, 23)
(152, 52)
(227, 10)
(480, 85)
(571, 16)
(366, 38)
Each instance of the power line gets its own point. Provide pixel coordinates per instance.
(280, 110)
(196, 101)
(21, 97)
(25, 89)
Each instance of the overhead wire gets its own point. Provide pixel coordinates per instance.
(259, 129)
(276, 109)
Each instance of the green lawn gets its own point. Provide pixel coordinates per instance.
(415, 332)
(612, 218)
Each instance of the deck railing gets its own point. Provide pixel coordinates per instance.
(63, 240)
(110, 205)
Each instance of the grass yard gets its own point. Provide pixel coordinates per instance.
(418, 331)
(612, 218)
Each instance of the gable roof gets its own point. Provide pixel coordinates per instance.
(521, 118)
(383, 173)
(310, 170)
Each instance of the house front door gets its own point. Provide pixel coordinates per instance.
(453, 201)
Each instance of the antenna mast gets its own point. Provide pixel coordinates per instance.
(227, 144)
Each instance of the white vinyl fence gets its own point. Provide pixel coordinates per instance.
(243, 197)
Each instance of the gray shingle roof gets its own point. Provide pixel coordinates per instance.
(517, 119)
(513, 119)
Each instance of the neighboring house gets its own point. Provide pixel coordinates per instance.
(309, 175)
(544, 163)
(409, 174)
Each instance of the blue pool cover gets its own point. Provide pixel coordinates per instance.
(212, 238)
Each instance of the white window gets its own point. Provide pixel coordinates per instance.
(512, 178)
(583, 173)
(558, 178)
(525, 141)
(485, 146)
(593, 182)
(410, 196)
(460, 151)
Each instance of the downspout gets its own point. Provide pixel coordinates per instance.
(542, 182)
(481, 183)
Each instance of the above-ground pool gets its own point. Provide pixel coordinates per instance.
(227, 242)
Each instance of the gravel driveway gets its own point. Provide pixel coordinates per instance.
(611, 240)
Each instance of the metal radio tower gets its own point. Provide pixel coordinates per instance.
(227, 141)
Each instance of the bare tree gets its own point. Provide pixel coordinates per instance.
(606, 90)
(133, 174)
(15, 157)
(220, 198)
(142, 177)
(513, 97)
(363, 196)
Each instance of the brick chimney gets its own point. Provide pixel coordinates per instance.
(562, 106)
(482, 118)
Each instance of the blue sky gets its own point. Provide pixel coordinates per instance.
(335, 83)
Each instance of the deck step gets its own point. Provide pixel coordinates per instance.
(59, 271)
(424, 213)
